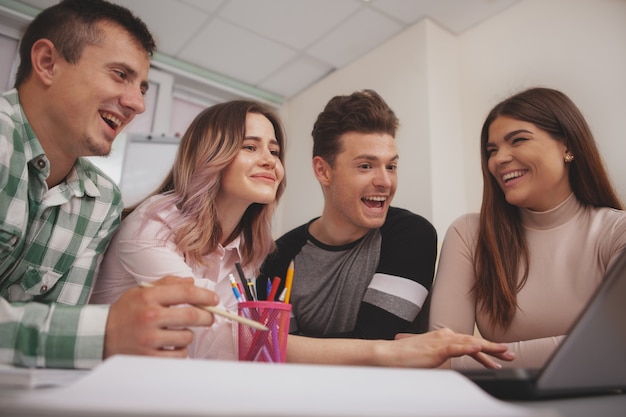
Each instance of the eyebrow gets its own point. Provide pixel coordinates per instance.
(509, 135)
(370, 157)
(273, 141)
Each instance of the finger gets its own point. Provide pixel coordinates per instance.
(486, 361)
(182, 291)
(173, 339)
(169, 342)
(460, 349)
(171, 353)
(183, 316)
(505, 356)
(495, 348)
(172, 280)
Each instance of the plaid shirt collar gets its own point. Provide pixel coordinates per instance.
(78, 179)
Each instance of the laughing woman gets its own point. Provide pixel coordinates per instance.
(212, 211)
(549, 227)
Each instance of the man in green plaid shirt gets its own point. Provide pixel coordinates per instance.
(83, 73)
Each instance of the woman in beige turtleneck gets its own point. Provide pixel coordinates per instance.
(549, 226)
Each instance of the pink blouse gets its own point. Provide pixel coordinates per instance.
(141, 251)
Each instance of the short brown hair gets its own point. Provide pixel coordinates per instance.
(72, 24)
(363, 111)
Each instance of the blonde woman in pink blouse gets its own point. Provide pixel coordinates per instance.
(213, 210)
(550, 224)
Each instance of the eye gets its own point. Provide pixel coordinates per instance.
(392, 167)
(365, 166)
(275, 152)
(121, 74)
(249, 147)
(519, 140)
(490, 152)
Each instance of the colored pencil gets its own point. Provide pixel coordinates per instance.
(289, 281)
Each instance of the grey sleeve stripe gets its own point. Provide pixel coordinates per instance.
(402, 308)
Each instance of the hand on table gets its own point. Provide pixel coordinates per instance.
(434, 349)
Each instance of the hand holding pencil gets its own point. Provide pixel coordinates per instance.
(223, 313)
(141, 321)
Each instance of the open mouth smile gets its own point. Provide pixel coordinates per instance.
(374, 201)
(111, 120)
(513, 175)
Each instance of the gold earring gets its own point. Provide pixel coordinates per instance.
(568, 158)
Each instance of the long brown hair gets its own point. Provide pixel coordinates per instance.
(502, 247)
(209, 144)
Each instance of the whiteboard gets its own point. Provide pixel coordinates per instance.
(147, 161)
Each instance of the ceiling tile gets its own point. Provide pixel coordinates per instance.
(460, 15)
(407, 11)
(295, 76)
(162, 20)
(236, 53)
(41, 4)
(283, 46)
(356, 36)
(206, 5)
(294, 23)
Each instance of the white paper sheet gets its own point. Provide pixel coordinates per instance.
(126, 385)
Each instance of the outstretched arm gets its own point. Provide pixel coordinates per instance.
(428, 350)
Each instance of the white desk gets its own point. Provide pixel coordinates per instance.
(138, 386)
(597, 406)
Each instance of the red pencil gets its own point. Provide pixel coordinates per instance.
(275, 284)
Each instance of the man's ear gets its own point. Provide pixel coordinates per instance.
(322, 170)
(44, 56)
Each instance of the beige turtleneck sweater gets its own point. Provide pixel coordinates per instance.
(571, 247)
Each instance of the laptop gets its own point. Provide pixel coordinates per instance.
(591, 359)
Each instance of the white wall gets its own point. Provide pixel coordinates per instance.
(445, 134)
(442, 86)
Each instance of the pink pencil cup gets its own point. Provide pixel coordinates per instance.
(260, 345)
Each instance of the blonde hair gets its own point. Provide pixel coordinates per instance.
(210, 143)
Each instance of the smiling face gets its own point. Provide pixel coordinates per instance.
(256, 172)
(99, 95)
(528, 164)
(359, 188)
